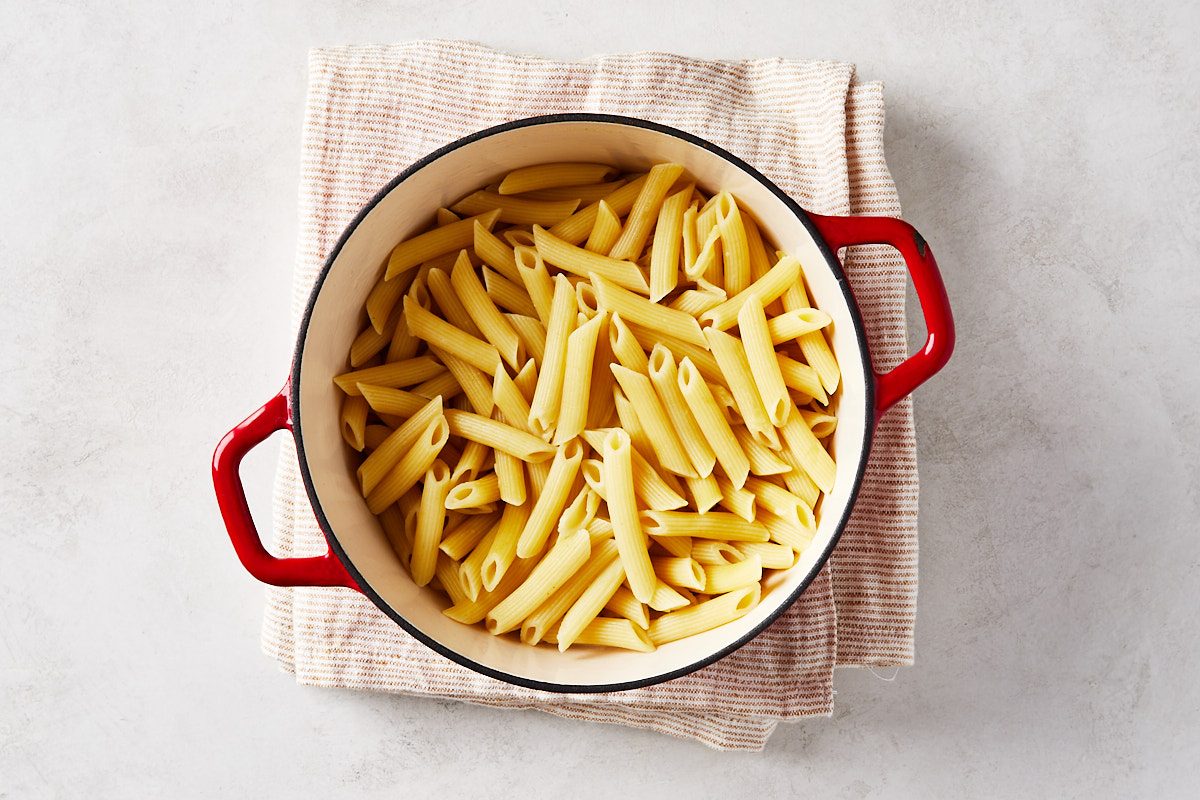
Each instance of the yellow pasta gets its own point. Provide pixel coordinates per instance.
(813, 345)
(562, 561)
(469, 464)
(510, 478)
(644, 212)
(648, 484)
(625, 346)
(497, 435)
(384, 297)
(700, 355)
(538, 624)
(820, 423)
(430, 520)
(517, 210)
(575, 228)
(511, 402)
(584, 193)
(696, 301)
(449, 303)
(637, 309)
(785, 273)
(678, 546)
(713, 525)
(504, 546)
(370, 342)
(435, 330)
(626, 605)
(710, 553)
(731, 356)
(786, 531)
(771, 554)
(494, 252)
(483, 312)
(795, 323)
(408, 470)
(393, 375)
(400, 442)
(600, 388)
(474, 493)
(760, 262)
(654, 421)
(722, 578)
(473, 381)
(547, 176)
(577, 379)
(706, 492)
(474, 610)
(665, 377)
(437, 242)
(375, 435)
(623, 512)
(668, 242)
(579, 512)
(620, 633)
(461, 539)
(704, 616)
(533, 275)
(808, 452)
(552, 499)
(547, 398)
(443, 385)
(740, 501)
(392, 522)
(802, 378)
(532, 334)
(511, 297)
(679, 572)
(735, 248)
(711, 424)
(797, 480)
(605, 230)
(578, 261)
(768, 380)
(590, 602)
(470, 570)
(667, 598)
(403, 345)
(354, 421)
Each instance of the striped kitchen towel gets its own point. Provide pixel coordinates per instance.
(808, 126)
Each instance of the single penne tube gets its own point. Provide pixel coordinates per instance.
(575, 228)
(392, 522)
(626, 605)
(577, 379)
(605, 230)
(512, 404)
(538, 624)
(510, 478)
(579, 261)
(802, 378)
(820, 423)
(552, 499)
(712, 424)
(431, 518)
(772, 554)
(678, 546)
(547, 397)
(584, 193)
(354, 421)
(403, 345)
(695, 302)
(473, 494)
(797, 480)
(648, 484)
(813, 345)
(722, 578)
(739, 500)
(537, 281)
(585, 300)
(469, 464)
(679, 572)
(436, 331)
(720, 525)
(483, 312)
(448, 301)
(760, 354)
(667, 598)
(617, 454)
(781, 502)
(763, 460)
(537, 473)
(691, 245)
(548, 176)
(637, 309)
(579, 512)
(628, 420)
(462, 538)
(735, 248)
(668, 450)
(711, 553)
(600, 409)
(446, 576)
(495, 252)
(504, 547)
(474, 611)
(590, 603)
(735, 365)
(644, 213)
(471, 569)
(760, 261)
(563, 560)
(393, 375)
(621, 633)
(415, 462)
(706, 492)
(786, 531)
(509, 297)
(665, 378)
(668, 242)
(592, 472)
(384, 297)
(704, 616)
(497, 435)
(795, 323)
(474, 381)
(516, 210)
(437, 242)
(389, 453)
(532, 334)
(444, 385)
(767, 288)
(808, 451)
(625, 346)
(375, 435)
(518, 237)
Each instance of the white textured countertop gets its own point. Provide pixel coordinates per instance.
(147, 231)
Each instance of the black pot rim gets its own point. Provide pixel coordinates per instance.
(459, 658)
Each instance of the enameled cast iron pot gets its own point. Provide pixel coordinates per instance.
(359, 555)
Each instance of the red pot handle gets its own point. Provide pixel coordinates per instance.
(323, 570)
(893, 386)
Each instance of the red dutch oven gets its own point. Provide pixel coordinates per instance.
(359, 556)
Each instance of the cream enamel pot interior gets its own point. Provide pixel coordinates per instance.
(360, 556)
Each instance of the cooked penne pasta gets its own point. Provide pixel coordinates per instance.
(475, 610)
(667, 598)
(663, 439)
(785, 273)
(786, 531)
(795, 323)
(547, 398)
(483, 312)
(579, 512)
(494, 252)
(760, 262)
(578, 261)
(354, 421)
(768, 380)
(696, 301)
(704, 616)
(403, 345)
(813, 345)
(385, 296)
(504, 546)
(732, 359)
(710, 553)
(772, 554)
(469, 463)
(389, 453)
(375, 435)
(462, 538)
(713, 525)
(665, 378)
(575, 228)
(644, 212)
(533, 275)
(551, 500)
(408, 470)
(547, 176)
(735, 249)
(625, 347)
(393, 375)
(584, 193)
(620, 633)
(802, 378)
(637, 309)
(448, 301)
(702, 357)
(820, 423)
(706, 492)
(711, 423)
(473, 381)
(443, 385)
(600, 409)
(808, 451)
(678, 546)
(648, 484)
(392, 522)
(679, 572)
(437, 242)
(474, 493)
(623, 512)
(497, 435)
(629, 607)
(605, 230)
(563, 560)
(722, 578)
(668, 242)
(532, 334)
(511, 402)
(436, 331)
(577, 379)
(517, 210)
(511, 297)
(740, 501)
(370, 342)
(431, 518)
(590, 603)
(538, 624)
(510, 478)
